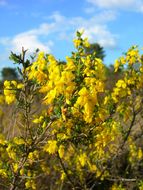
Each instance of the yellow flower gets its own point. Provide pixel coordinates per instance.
(70, 64)
(117, 187)
(19, 141)
(33, 155)
(30, 184)
(121, 84)
(82, 158)
(38, 120)
(9, 91)
(77, 42)
(116, 65)
(50, 97)
(63, 176)
(7, 83)
(86, 43)
(88, 112)
(61, 151)
(11, 152)
(140, 154)
(51, 147)
(10, 98)
(22, 171)
(14, 83)
(20, 86)
(15, 167)
(3, 173)
(52, 60)
(83, 92)
(40, 56)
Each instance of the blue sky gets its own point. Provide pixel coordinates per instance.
(50, 25)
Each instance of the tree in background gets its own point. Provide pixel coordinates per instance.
(9, 73)
(97, 48)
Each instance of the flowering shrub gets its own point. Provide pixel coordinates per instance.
(69, 131)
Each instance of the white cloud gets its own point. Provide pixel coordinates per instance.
(63, 28)
(95, 28)
(43, 29)
(101, 35)
(136, 5)
(30, 42)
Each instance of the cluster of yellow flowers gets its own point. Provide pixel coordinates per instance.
(135, 153)
(120, 91)
(79, 127)
(10, 90)
(37, 69)
(131, 57)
